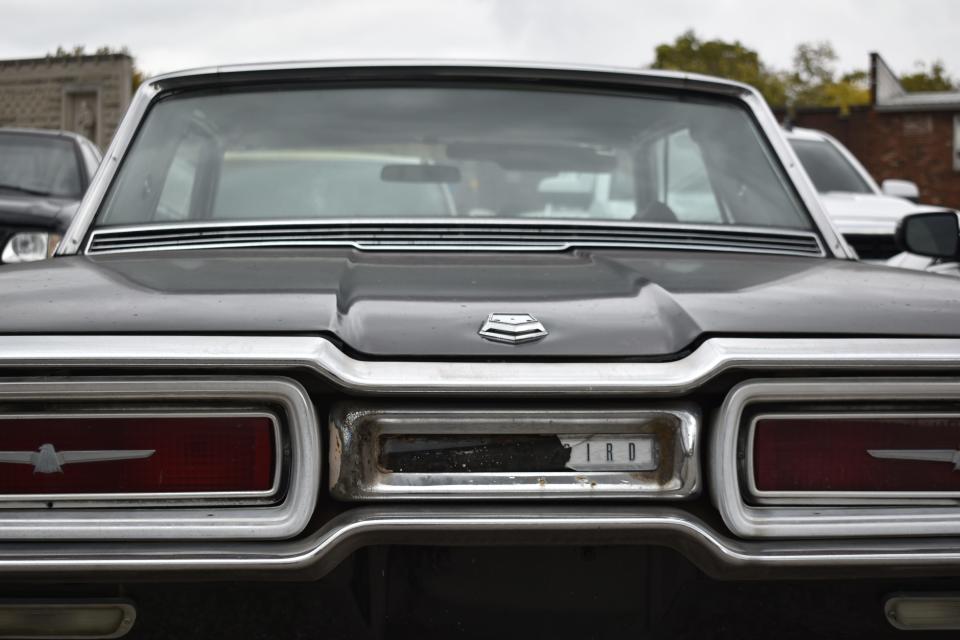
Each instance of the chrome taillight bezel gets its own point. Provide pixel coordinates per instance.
(750, 513)
(160, 499)
(281, 512)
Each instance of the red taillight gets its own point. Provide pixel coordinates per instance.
(818, 454)
(122, 455)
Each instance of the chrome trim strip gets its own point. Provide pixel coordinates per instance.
(355, 430)
(841, 497)
(713, 357)
(162, 499)
(272, 521)
(476, 246)
(321, 551)
(480, 223)
(821, 521)
(447, 71)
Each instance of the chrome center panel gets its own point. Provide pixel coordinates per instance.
(356, 431)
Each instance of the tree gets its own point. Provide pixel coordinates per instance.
(934, 79)
(813, 80)
(730, 60)
(78, 51)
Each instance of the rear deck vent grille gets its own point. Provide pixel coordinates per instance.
(450, 236)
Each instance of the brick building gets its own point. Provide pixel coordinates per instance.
(85, 94)
(913, 136)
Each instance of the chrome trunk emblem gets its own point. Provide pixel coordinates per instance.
(49, 460)
(512, 328)
(920, 455)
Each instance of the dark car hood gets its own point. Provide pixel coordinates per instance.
(611, 304)
(35, 212)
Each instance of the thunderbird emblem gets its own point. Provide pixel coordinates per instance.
(513, 328)
(49, 460)
(920, 455)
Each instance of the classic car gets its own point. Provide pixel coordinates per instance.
(375, 350)
(43, 175)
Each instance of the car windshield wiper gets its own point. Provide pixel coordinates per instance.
(22, 189)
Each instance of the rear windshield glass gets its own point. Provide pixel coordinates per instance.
(828, 168)
(421, 152)
(38, 165)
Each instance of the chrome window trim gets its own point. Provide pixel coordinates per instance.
(840, 497)
(713, 357)
(197, 498)
(820, 521)
(272, 521)
(355, 429)
(446, 70)
(109, 164)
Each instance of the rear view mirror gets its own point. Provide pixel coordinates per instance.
(935, 234)
(522, 156)
(901, 189)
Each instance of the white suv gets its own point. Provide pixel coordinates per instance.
(863, 211)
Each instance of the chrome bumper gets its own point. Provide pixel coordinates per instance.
(314, 555)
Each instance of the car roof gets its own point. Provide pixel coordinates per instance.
(206, 76)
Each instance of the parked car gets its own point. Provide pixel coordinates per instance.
(865, 213)
(43, 175)
(251, 399)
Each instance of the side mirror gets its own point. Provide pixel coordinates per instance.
(935, 234)
(901, 189)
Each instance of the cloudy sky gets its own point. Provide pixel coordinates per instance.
(166, 35)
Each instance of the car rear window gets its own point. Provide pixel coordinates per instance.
(441, 152)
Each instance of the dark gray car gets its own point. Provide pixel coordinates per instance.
(43, 175)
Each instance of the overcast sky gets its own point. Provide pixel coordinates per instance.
(165, 35)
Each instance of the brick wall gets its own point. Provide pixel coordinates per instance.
(915, 145)
(86, 94)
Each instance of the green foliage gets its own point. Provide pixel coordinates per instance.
(718, 58)
(933, 79)
(812, 81)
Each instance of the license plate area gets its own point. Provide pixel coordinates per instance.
(606, 452)
(401, 453)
